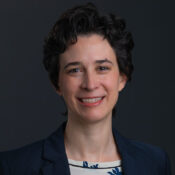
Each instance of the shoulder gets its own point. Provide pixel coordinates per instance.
(21, 157)
(145, 147)
(136, 147)
(34, 147)
(30, 158)
(148, 150)
(143, 154)
(153, 156)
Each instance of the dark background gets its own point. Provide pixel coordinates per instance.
(29, 107)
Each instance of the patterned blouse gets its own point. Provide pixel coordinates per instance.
(95, 168)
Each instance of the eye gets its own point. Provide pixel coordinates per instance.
(74, 70)
(103, 68)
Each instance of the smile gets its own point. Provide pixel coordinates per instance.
(91, 101)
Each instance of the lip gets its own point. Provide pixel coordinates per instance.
(91, 97)
(91, 104)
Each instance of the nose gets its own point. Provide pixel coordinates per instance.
(90, 81)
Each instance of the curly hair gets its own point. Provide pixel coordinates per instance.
(85, 20)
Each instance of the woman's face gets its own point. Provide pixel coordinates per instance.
(89, 79)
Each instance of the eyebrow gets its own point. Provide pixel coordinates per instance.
(79, 63)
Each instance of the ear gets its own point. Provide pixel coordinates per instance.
(122, 82)
(58, 91)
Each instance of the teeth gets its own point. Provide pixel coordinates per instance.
(91, 100)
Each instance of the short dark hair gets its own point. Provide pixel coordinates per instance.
(85, 20)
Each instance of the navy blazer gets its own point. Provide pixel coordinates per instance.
(48, 157)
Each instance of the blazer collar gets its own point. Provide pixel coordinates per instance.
(56, 161)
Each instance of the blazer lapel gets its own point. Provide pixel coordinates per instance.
(55, 168)
(132, 166)
(134, 161)
(54, 155)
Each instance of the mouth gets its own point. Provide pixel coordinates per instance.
(91, 101)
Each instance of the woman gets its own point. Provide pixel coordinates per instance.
(88, 58)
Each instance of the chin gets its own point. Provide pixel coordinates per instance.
(94, 117)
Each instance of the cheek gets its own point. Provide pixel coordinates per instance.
(69, 87)
(111, 82)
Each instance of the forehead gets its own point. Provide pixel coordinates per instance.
(88, 47)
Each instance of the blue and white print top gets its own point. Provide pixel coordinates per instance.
(95, 168)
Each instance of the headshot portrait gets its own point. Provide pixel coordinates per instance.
(87, 88)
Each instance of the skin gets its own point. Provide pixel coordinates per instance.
(89, 68)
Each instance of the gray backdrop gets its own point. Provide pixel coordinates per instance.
(29, 107)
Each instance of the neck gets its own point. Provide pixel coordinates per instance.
(90, 142)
